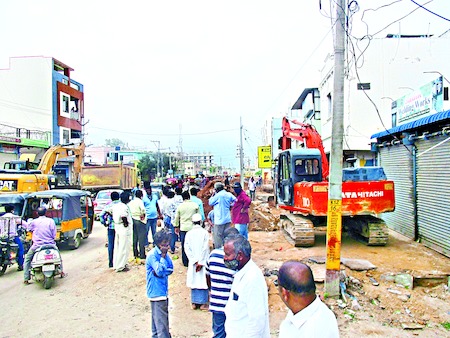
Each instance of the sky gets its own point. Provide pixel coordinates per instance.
(184, 73)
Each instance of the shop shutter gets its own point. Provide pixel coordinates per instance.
(433, 193)
(397, 164)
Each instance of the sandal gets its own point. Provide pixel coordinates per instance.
(63, 275)
(26, 282)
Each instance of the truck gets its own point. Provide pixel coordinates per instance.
(301, 190)
(109, 176)
(23, 179)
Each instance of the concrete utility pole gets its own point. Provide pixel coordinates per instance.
(158, 163)
(334, 219)
(241, 154)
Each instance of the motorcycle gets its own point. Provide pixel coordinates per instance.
(8, 253)
(45, 265)
(8, 249)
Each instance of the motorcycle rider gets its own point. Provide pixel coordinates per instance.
(44, 233)
(9, 212)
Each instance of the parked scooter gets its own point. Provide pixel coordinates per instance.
(46, 264)
(8, 249)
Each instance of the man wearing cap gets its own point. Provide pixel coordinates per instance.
(221, 202)
(196, 246)
(239, 211)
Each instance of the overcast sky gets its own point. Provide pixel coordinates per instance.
(184, 72)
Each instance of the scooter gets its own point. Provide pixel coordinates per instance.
(45, 265)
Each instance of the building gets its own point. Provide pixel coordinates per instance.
(392, 67)
(198, 162)
(415, 154)
(40, 105)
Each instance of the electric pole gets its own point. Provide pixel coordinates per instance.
(334, 219)
(158, 156)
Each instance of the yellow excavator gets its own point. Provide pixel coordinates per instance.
(43, 177)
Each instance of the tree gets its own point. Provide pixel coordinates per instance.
(147, 167)
(114, 142)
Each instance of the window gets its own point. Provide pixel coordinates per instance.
(65, 104)
(64, 101)
(330, 105)
(66, 135)
(307, 166)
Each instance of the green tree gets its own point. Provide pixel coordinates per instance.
(147, 167)
(114, 142)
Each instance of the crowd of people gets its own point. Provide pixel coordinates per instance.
(225, 281)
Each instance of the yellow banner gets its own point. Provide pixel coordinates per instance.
(334, 234)
(265, 157)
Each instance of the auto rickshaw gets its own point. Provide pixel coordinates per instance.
(71, 209)
(17, 200)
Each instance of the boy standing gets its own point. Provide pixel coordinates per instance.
(159, 266)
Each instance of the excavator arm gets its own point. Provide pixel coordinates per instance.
(307, 134)
(58, 151)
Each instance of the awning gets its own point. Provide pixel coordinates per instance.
(445, 115)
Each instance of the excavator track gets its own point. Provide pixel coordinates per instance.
(298, 229)
(371, 230)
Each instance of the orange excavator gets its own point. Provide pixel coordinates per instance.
(301, 189)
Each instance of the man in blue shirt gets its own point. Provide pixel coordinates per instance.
(201, 209)
(159, 266)
(221, 203)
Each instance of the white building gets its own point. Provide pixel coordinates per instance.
(40, 105)
(389, 69)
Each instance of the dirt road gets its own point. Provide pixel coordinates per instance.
(94, 301)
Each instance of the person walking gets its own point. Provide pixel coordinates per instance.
(307, 316)
(183, 221)
(221, 202)
(108, 221)
(196, 246)
(252, 188)
(247, 309)
(219, 279)
(138, 215)
(239, 210)
(159, 266)
(123, 227)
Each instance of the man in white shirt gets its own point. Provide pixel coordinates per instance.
(247, 309)
(123, 224)
(307, 316)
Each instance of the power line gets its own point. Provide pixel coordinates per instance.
(439, 16)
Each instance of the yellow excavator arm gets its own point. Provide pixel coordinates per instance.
(58, 151)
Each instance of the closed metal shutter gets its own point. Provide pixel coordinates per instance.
(433, 193)
(397, 164)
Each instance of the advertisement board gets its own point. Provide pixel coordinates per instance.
(428, 100)
(265, 157)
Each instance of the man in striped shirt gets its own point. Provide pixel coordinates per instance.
(219, 279)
